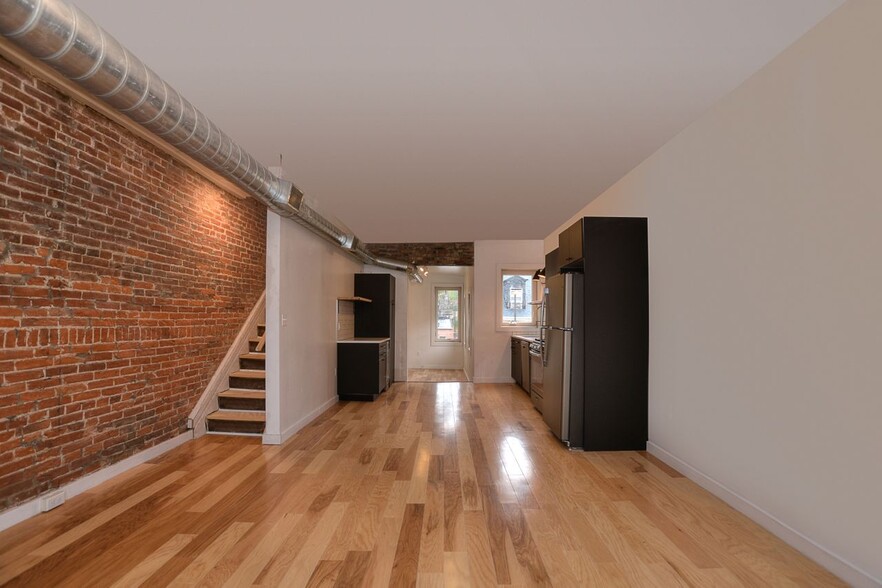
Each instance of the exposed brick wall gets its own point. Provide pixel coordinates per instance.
(124, 278)
(461, 253)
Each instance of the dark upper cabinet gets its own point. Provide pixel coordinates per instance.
(571, 249)
(552, 263)
(377, 317)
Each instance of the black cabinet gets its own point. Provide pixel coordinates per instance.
(377, 317)
(520, 362)
(615, 330)
(362, 369)
(516, 362)
(571, 246)
(552, 263)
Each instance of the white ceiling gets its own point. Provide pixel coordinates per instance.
(456, 120)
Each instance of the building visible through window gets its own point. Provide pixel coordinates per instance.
(447, 313)
(517, 294)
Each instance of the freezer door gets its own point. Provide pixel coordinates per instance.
(558, 351)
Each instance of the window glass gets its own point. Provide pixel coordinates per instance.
(517, 294)
(447, 305)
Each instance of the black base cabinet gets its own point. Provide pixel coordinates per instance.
(361, 370)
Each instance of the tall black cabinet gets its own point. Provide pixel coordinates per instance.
(376, 318)
(612, 253)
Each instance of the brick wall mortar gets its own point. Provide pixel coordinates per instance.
(454, 253)
(124, 278)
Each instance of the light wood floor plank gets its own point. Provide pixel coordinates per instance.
(146, 568)
(95, 522)
(434, 484)
(208, 558)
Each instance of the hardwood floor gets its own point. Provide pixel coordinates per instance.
(426, 375)
(431, 485)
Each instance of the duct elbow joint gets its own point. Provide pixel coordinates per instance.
(289, 195)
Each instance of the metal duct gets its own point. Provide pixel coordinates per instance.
(63, 36)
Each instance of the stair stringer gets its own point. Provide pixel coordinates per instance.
(219, 382)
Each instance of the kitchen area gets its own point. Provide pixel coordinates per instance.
(527, 366)
(587, 370)
(366, 338)
(582, 359)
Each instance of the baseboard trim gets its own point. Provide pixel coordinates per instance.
(278, 439)
(838, 565)
(31, 508)
(492, 380)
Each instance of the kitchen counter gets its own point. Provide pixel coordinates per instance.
(365, 340)
(527, 338)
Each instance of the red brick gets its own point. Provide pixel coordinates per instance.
(124, 278)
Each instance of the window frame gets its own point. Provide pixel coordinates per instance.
(447, 342)
(522, 269)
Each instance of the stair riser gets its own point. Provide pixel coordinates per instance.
(260, 331)
(252, 364)
(235, 427)
(248, 383)
(252, 346)
(241, 403)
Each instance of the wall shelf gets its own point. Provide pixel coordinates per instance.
(354, 299)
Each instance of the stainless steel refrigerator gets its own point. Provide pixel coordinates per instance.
(562, 331)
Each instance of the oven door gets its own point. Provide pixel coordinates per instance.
(536, 377)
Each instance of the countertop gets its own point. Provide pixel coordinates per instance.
(527, 338)
(365, 340)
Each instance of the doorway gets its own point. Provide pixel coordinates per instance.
(439, 326)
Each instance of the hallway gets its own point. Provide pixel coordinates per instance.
(426, 375)
(438, 484)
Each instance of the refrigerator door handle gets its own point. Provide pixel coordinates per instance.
(542, 344)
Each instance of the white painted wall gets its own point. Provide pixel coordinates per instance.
(402, 284)
(422, 351)
(468, 348)
(492, 354)
(765, 231)
(305, 275)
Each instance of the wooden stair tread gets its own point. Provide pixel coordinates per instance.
(248, 416)
(242, 393)
(256, 374)
(253, 355)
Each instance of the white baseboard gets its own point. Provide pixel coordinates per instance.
(31, 508)
(278, 439)
(810, 548)
(492, 380)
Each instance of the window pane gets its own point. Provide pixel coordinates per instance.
(447, 314)
(517, 294)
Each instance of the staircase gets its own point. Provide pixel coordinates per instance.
(242, 407)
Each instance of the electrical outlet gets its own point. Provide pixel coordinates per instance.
(51, 500)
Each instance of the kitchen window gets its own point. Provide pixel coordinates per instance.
(448, 301)
(515, 294)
